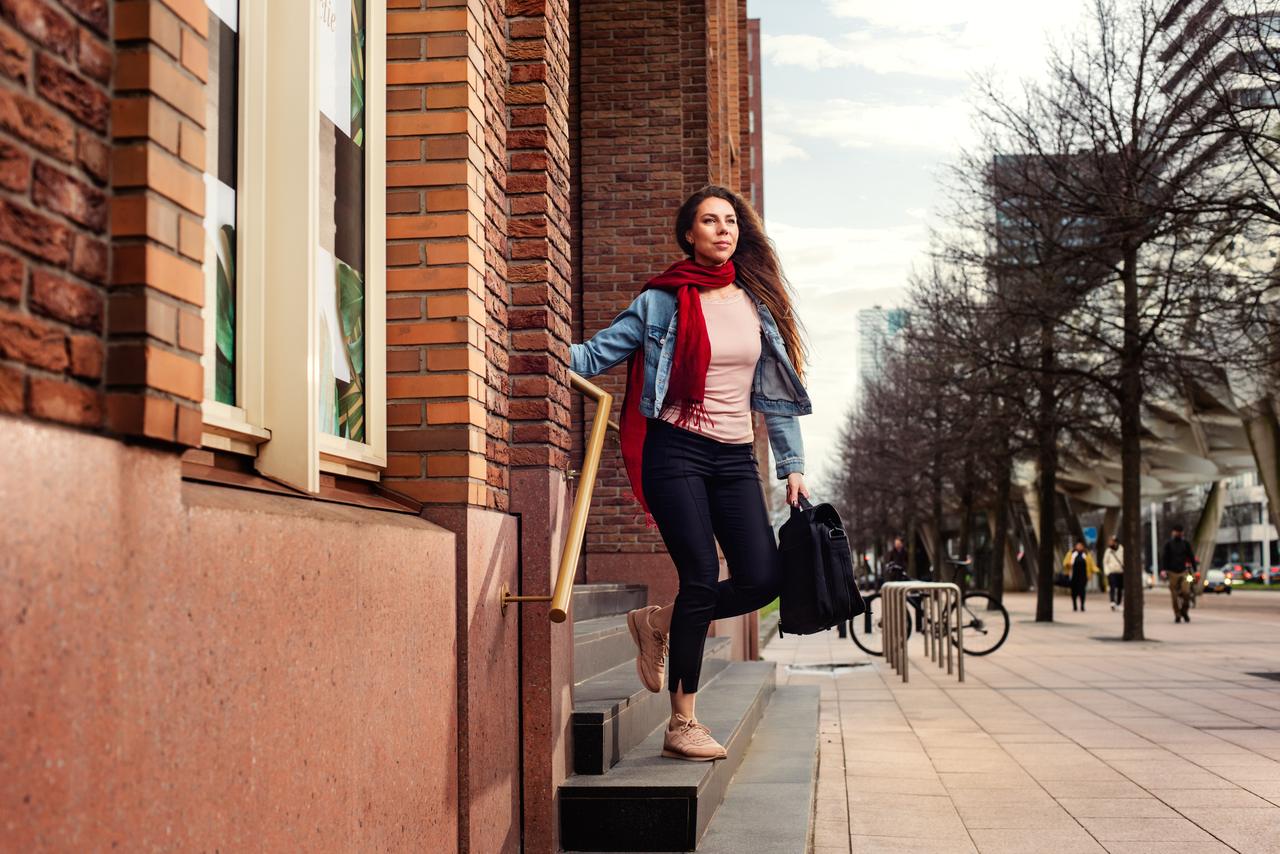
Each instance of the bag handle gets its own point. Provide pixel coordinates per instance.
(804, 505)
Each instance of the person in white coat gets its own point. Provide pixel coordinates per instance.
(1113, 565)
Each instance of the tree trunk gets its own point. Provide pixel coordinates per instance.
(1047, 456)
(1000, 530)
(939, 561)
(1131, 448)
(958, 573)
(911, 546)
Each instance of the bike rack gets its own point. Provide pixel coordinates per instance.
(938, 604)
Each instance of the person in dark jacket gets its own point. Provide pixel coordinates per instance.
(1178, 562)
(896, 561)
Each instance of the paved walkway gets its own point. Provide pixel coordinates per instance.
(1064, 741)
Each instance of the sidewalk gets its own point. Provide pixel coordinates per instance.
(1064, 741)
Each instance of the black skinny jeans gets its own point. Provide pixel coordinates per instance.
(1115, 585)
(701, 491)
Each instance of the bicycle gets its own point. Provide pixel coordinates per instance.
(984, 620)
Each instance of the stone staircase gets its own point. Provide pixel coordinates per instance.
(624, 796)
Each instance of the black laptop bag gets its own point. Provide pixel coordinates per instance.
(819, 589)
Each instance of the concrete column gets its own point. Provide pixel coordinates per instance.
(1266, 543)
(1263, 431)
(1206, 533)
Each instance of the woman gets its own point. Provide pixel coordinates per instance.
(1113, 562)
(1080, 564)
(708, 341)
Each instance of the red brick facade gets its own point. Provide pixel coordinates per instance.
(536, 151)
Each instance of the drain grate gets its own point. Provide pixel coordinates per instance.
(831, 668)
(1275, 677)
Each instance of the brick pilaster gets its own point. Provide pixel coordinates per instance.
(497, 258)
(155, 335)
(438, 251)
(538, 229)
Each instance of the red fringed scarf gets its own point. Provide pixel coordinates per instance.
(688, 368)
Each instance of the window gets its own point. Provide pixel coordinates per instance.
(295, 233)
(1242, 514)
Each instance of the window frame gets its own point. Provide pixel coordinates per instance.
(277, 376)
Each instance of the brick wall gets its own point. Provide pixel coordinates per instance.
(91, 334)
(659, 115)
(632, 83)
(55, 75)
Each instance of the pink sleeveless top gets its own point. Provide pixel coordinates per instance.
(733, 327)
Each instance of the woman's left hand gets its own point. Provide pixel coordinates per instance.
(796, 488)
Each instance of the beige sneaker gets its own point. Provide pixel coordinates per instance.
(652, 657)
(691, 740)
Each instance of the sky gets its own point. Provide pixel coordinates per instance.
(865, 103)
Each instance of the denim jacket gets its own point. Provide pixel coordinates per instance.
(650, 321)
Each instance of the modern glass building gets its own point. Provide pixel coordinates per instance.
(877, 327)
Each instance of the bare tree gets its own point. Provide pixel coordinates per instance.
(1113, 215)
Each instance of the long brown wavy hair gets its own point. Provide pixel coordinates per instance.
(756, 264)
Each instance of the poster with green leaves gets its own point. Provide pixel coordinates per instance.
(341, 270)
(221, 181)
(225, 328)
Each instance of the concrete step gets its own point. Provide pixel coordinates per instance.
(770, 802)
(649, 803)
(599, 645)
(591, 601)
(613, 711)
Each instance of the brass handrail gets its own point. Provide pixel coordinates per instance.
(559, 597)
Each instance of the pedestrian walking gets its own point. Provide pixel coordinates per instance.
(1113, 563)
(1178, 562)
(1079, 563)
(707, 342)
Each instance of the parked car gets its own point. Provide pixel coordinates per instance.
(1241, 572)
(1217, 581)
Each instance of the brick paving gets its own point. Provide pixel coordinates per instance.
(1064, 741)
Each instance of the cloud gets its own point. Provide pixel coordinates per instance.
(932, 55)
(778, 147)
(821, 261)
(837, 272)
(926, 14)
(854, 124)
(933, 38)
(811, 52)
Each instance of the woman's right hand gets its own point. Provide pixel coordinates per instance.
(796, 488)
